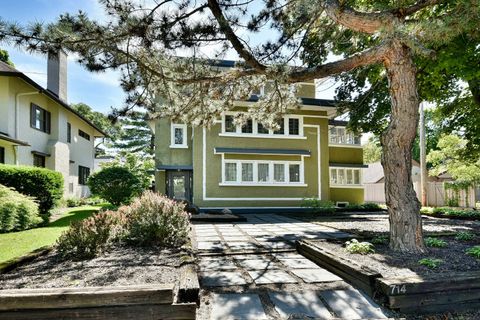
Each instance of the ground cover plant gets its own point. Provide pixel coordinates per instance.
(430, 262)
(464, 236)
(150, 220)
(318, 205)
(17, 211)
(45, 185)
(354, 246)
(435, 242)
(474, 252)
(452, 213)
(15, 244)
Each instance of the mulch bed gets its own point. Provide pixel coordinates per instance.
(121, 266)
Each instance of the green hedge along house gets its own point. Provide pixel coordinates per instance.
(248, 167)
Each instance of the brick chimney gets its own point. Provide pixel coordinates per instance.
(57, 74)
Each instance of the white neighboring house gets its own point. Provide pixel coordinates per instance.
(39, 128)
(100, 160)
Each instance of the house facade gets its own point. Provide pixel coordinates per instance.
(39, 128)
(311, 156)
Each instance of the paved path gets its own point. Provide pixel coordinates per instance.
(251, 270)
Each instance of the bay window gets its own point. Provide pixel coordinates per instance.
(345, 177)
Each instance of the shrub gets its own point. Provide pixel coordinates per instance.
(435, 243)
(17, 211)
(117, 185)
(318, 205)
(464, 236)
(77, 202)
(455, 213)
(474, 252)
(365, 206)
(153, 219)
(354, 246)
(45, 185)
(430, 262)
(86, 238)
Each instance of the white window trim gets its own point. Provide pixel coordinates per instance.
(345, 185)
(286, 135)
(348, 145)
(174, 126)
(270, 182)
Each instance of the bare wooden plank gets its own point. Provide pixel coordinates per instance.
(135, 312)
(189, 288)
(361, 276)
(85, 297)
(416, 285)
(436, 298)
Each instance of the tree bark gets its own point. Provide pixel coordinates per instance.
(403, 206)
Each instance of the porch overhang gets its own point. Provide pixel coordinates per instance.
(174, 167)
(13, 141)
(347, 165)
(283, 152)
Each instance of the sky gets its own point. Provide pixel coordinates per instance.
(101, 91)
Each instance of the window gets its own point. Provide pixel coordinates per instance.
(229, 125)
(247, 172)
(345, 176)
(248, 127)
(294, 126)
(40, 118)
(178, 136)
(289, 126)
(294, 172)
(263, 172)
(282, 127)
(231, 171)
(83, 174)
(69, 132)
(2, 155)
(278, 172)
(39, 161)
(339, 135)
(84, 135)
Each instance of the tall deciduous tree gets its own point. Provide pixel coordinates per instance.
(5, 57)
(388, 36)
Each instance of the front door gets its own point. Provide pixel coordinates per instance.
(179, 185)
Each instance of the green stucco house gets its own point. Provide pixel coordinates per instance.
(243, 167)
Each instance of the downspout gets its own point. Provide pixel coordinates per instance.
(17, 106)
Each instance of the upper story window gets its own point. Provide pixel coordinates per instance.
(83, 174)
(262, 172)
(178, 136)
(40, 118)
(345, 176)
(69, 132)
(290, 127)
(340, 135)
(83, 134)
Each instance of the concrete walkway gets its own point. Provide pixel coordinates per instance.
(251, 270)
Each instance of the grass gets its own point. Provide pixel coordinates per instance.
(16, 244)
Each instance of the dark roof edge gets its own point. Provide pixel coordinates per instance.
(348, 165)
(51, 96)
(305, 101)
(15, 141)
(339, 123)
(262, 151)
(174, 167)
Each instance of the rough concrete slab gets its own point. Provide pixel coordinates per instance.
(276, 244)
(315, 275)
(299, 304)
(209, 238)
(252, 257)
(237, 306)
(299, 263)
(259, 264)
(221, 278)
(237, 246)
(351, 304)
(271, 276)
(216, 264)
(210, 246)
(236, 238)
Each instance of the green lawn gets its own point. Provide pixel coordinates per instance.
(16, 244)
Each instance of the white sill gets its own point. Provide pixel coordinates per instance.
(264, 136)
(347, 186)
(345, 145)
(179, 146)
(237, 184)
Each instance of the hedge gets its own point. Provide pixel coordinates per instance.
(17, 211)
(45, 185)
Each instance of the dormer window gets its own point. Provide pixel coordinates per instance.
(340, 135)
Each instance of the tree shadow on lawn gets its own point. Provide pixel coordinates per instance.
(73, 215)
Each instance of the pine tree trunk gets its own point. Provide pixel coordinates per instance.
(403, 205)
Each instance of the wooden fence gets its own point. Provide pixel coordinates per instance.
(375, 192)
